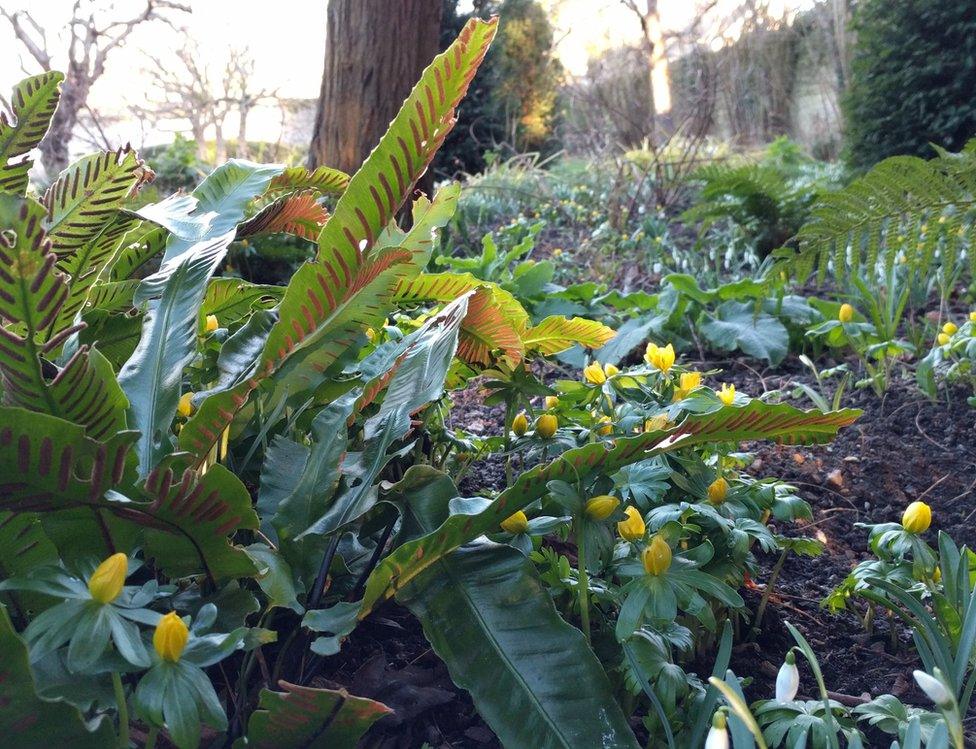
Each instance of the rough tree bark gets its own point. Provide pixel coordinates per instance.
(375, 51)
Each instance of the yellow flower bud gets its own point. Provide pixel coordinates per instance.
(631, 529)
(718, 490)
(600, 508)
(686, 383)
(657, 557)
(546, 425)
(662, 358)
(942, 338)
(107, 580)
(950, 328)
(594, 374)
(917, 517)
(557, 252)
(371, 334)
(170, 637)
(937, 575)
(185, 407)
(727, 394)
(551, 402)
(972, 316)
(520, 424)
(515, 524)
(605, 426)
(211, 324)
(656, 423)
(610, 370)
(845, 313)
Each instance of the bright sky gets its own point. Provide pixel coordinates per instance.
(286, 38)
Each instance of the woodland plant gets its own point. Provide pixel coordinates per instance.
(206, 483)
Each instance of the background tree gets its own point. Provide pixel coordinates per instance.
(91, 38)
(375, 51)
(912, 78)
(189, 91)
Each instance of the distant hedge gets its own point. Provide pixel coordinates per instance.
(913, 79)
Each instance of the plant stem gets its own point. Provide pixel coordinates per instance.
(509, 416)
(151, 738)
(764, 601)
(583, 585)
(123, 710)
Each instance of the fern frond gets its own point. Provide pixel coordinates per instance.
(905, 208)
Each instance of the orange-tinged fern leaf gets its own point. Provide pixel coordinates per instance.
(297, 214)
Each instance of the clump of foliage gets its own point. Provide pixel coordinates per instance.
(207, 483)
(913, 73)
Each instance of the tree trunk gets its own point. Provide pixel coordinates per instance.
(243, 149)
(375, 51)
(55, 154)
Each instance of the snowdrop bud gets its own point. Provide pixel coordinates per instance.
(934, 689)
(787, 680)
(718, 736)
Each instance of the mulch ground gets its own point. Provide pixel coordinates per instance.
(903, 448)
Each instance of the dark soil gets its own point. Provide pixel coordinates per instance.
(903, 448)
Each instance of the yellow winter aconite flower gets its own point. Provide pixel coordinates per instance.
(551, 402)
(972, 316)
(718, 490)
(107, 580)
(727, 394)
(656, 423)
(662, 358)
(594, 374)
(845, 313)
(371, 334)
(917, 517)
(605, 426)
(520, 424)
(950, 328)
(515, 524)
(185, 407)
(170, 637)
(657, 557)
(631, 529)
(942, 338)
(686, 383)
(557, 252)
(936, 575)
(610, 370)
(600, 508)
(211, 324)
(546, 425)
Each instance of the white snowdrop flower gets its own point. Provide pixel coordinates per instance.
(788, 679)
(718, 736)
(934, 688)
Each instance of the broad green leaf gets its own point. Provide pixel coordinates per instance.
(152, 376)
(86, 197)
(323, 179)
(33, 102)
(738, 325)
(380, 186)
(225, 193)
(24, 546)
(557, 333)
(195, 515)
(231, 299)
(487, 615)
(755, 421)
(306, 718)
(428, 217)
(26, 720)
(86, 263)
